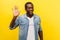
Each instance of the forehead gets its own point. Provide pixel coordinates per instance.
(29, 5)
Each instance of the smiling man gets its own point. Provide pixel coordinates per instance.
(29, 23)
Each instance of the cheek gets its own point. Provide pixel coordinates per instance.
(27, 9)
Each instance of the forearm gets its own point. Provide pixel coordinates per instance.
(13, 22)
(40, 35)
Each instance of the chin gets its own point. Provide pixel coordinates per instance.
(31, 13)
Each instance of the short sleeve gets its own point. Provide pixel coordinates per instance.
(40, 29)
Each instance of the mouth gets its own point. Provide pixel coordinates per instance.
(31, 12)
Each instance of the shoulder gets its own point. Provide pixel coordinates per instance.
(37, 16)
(20, 17)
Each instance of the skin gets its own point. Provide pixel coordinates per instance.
(29, 12)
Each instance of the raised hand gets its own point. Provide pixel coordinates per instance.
(15, 11)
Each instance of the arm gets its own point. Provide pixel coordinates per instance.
(40, 32)
(14, 21)
(40, 35)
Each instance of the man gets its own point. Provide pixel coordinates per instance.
(28, 23)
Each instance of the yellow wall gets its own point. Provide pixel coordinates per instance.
(48, 10)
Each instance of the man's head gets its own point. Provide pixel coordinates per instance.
(29, 8)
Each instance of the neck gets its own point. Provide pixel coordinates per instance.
(30, 15)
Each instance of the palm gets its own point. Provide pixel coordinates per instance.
(15, 11)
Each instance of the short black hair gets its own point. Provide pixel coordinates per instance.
(28, 3)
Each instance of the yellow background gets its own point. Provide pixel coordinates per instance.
(48, 10)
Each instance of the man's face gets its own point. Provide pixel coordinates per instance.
(29, 9)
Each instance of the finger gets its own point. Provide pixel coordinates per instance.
(15, 7)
